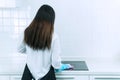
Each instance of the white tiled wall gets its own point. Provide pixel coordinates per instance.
(12, 22)
(15, 19)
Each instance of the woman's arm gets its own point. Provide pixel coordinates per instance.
(56, 57)
(21, 44)
(56, 50)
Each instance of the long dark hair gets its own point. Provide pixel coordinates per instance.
(38, 35)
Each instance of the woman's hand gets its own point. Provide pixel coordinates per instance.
(64, 67)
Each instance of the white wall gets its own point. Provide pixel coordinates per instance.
(87, 28)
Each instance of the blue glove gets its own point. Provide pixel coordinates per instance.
(64, 67)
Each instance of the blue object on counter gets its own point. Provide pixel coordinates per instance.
(64, 67)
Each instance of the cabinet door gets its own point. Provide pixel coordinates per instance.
(65, 77)
(15, 78)
(81, 78)
(105, 78)
(72, 77)
(4, 77)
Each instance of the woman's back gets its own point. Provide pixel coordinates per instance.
(40, 61)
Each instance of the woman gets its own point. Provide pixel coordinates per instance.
(41, 44)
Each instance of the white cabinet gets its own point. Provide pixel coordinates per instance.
(15, 78)
(105, 78)
(72, 77)
(81, 78)
(65, 77)
(4, 77)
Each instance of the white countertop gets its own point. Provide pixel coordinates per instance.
(14, 65)
(96, 66)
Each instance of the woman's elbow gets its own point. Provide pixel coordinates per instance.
(56, 65)
(20, 50)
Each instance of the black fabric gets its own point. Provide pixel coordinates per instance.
(50, 75)
(28, 76)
